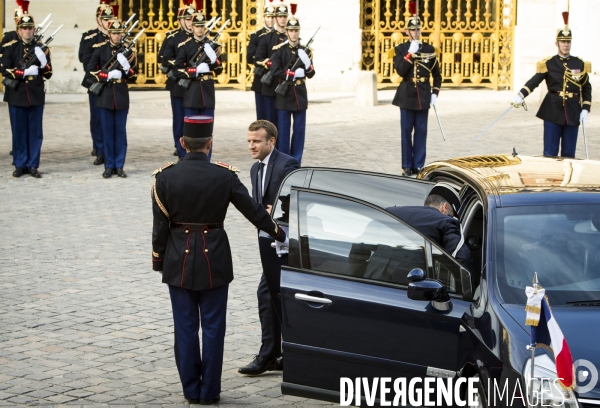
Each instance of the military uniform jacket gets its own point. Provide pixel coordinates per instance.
(30, 90)
(296, 97)
(569, 89)
(167, 56)
(263, 56)
(414, 92)
(115, 94)
(189, 203)
(201, 93)
(86, 49)
(251, 55)
(7, 37)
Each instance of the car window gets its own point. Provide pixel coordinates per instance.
(351, 239)
(447, 271)
(281, 207)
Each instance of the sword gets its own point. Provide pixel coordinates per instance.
(584, 140)
(512, 105)
(439, 123)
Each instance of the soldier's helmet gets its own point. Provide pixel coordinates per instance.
(187, 11)
(103, 5)
(293, 23)
(413, 22)
(270, 9)
(564, 34)
(198, 19)
(105, 12)
(115, 26)
(21, 6)
(281, 10)
(25, 20)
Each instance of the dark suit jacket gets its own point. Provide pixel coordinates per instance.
(439, 228)
(279, 166)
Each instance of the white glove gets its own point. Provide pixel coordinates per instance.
(281, 248)
(114, 74)
(433, 99)
(40, 56)
(123, 61)
(202, 69)
(583, 116)
(210, 53)
(519, 99)
(304, 57)
(299, 73)
(414, 46)
(31, 71)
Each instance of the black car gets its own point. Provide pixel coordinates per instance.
(347, 312)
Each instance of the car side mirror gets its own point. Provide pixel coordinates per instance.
(420, 288)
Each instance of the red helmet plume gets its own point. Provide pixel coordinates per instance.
(187, 2)
(293, 7)
(115, 6)
(412, 7)
(25, 6)
(565, 15)
(199, 5)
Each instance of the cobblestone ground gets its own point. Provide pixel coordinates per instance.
(83, 319)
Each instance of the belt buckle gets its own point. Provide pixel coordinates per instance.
(298, 81)
(30, 78)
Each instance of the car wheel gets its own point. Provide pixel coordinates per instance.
(480, 395)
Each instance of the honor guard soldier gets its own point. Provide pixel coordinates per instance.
(199, 98)
(113, 101)
(294, 101)
(190, 247)
(98, 35)
(269, 14)
(569, 96)
(263, 56)
(166, 58)
(416, 63)
(26, 100)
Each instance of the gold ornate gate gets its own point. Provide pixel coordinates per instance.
(473, 39)
(160, 16)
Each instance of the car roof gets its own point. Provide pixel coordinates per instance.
(508, 174)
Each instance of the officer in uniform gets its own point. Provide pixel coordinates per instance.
(416, 63)
(113, 102)
(166, 57)
(191, 248)
(269, 14)
(199, 98)
(99, 35)
(26, 100)
(295, 101)
(569, 96)
(263, 56)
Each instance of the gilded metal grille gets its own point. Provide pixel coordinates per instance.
(473, 39)
(160, 16)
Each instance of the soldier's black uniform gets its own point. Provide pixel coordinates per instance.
(26, 104)
(263, 55)
(251, 59)
(413, 96)
(6, 38)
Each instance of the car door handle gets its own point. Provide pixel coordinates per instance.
(313, 299)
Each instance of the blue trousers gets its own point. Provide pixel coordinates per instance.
(200, 373)
(114, 123)
(28, 135)
(563, 135)
(95, 125)
(260, 106)
(11, 114)
(299, 130)
(413, 146)
(201, 112)
(178, 115)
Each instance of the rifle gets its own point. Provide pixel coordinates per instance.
(267, 78)
(41, 25)
(30, 58)
(283, 86)
(113, 63)
(200, 55)
(171, 73)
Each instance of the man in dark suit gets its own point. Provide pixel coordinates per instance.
(436, 221)
(191, 249)
(267, 174)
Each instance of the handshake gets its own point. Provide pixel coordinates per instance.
(281, 248)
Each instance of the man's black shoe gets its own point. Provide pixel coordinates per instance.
(34, 172)
(175, 152)
(406, 172)
(121, 173)
(107, 173)
(18, 172)
(210, 401)
(193, 401)
(279, 364)
(259, 365)
(99, 160)
(94, 152)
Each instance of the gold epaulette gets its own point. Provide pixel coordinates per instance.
(183, 42)
(227, 166)
(166, 166)
(278, 46)
(265, 33)
(171, 32)
(89, 37)
(587, 67)
(99, 44)
(541, 67)
(8, 44)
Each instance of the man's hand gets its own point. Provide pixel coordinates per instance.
(518, 99)
(114, 74)
(281, 248)
(202, 69)
(123, 61)
(414, 46)
(210, 53)
(583, 116)
(304, 57)
(31, 71)
(40, 56)
(433, 99)
(299, 73)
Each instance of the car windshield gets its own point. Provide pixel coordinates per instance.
(559, 242)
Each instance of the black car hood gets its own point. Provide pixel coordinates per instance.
(580, 326)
